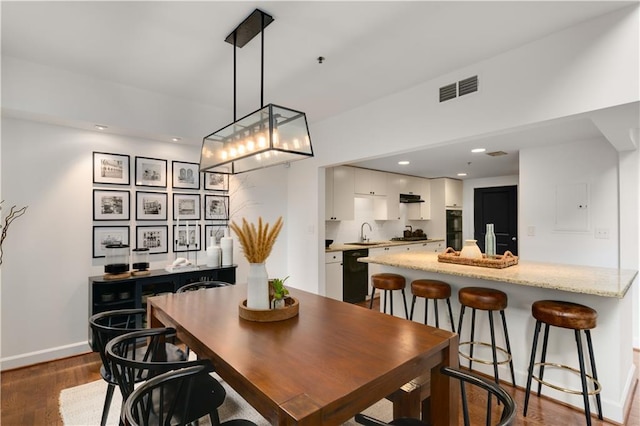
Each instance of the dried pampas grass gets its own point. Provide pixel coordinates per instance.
(257, 243)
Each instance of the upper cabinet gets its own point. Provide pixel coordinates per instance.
(370, 182)
(420, 211)
(446, 192)
(453, 193)
(339, 187)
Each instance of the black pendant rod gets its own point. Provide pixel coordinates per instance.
(262, 60)
(235, 36)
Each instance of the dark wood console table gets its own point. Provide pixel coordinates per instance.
(132, 292)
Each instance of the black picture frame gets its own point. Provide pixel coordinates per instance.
(111, 169)
(216, 230)
(216, 181)
(111, 204)
(151, 205)
(151, 172)
(153, 237)
(104, 235)
(179, 238)
(186, 206)
(216, 207)
(185, 175)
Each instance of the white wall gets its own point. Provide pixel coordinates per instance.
(48, 252)
(542, 170)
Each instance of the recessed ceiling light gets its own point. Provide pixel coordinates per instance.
(462, 174)
(478, 150)
(176, 139)
(100, 127)
(404, 162)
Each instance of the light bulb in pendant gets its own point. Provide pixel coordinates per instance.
(223, 154)
(276, 139)
(262, 142)
(296, 143)
(232, 152)
(251, 145)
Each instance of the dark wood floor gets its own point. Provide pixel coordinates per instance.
(30, 395)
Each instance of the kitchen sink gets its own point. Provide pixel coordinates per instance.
(368, 243)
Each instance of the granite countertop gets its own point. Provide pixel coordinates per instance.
(377, 244)
(607, 282)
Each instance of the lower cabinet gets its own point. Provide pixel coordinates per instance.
(333, 275)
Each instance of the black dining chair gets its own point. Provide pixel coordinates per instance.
(108, 325)
(202, 284)
(130, 365)
(508, 416)
(169, 398)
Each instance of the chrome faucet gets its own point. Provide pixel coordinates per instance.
(362, 237)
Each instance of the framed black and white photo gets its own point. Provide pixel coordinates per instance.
(185, 175)
(153, 237)
(216, 181)
(110, 204)
(186, 237)
(151, 172)
(186, 206)
(151, 205)
(216, 207)
(216, 231)
(105, 235)
(111, 168)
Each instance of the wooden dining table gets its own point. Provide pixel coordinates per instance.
(321, 367)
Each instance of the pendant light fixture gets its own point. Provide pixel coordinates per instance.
(269, 136)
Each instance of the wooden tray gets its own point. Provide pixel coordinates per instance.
(270, 315)
(498, 262)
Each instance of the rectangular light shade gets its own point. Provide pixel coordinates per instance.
(269, 136)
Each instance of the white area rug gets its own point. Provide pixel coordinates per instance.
(82, 406)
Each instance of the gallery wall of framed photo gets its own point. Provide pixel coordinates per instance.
(167, 206)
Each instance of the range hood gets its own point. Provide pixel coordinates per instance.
(410, 198)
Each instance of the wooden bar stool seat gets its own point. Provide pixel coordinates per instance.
(431, 290)
(388, 282)
(490, 300)
(578, 318)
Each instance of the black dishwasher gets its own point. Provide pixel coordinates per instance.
(354, 276)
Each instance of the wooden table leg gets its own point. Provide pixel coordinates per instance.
(444, 395)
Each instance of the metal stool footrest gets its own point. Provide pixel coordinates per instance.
(596, 383)
(484, 361)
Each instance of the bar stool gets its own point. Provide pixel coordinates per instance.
(490, 300)
(574, 317)
(431, 290)
(388, 282)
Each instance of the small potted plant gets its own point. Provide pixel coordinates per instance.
(280, 292)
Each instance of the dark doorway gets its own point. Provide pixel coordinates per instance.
(497, 205)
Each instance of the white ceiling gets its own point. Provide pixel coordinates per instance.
(372, 49)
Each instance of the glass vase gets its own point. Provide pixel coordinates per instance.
(490, 241)
(258, 287)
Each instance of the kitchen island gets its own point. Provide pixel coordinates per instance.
(603, 289)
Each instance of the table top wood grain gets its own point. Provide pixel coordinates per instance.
(321, 367)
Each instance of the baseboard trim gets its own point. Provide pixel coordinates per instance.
(51, 354)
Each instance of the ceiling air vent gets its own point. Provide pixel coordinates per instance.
(448, 92)
(496, 153)
(468, 85)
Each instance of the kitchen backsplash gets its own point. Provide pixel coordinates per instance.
(349, 230)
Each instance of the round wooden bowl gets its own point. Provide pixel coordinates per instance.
(269, 315)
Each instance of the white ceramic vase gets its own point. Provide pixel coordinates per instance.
(258, 286)
(470, 250)
(214, 254)
(226, 244)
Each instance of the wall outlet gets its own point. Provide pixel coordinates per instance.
(531, 231)
(602, 233)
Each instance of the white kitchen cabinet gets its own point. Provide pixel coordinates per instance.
(370, 182)
(435, 246)
(420, 211)
(339, 187)
(453, 193)
(396, 185)
(333, 275)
